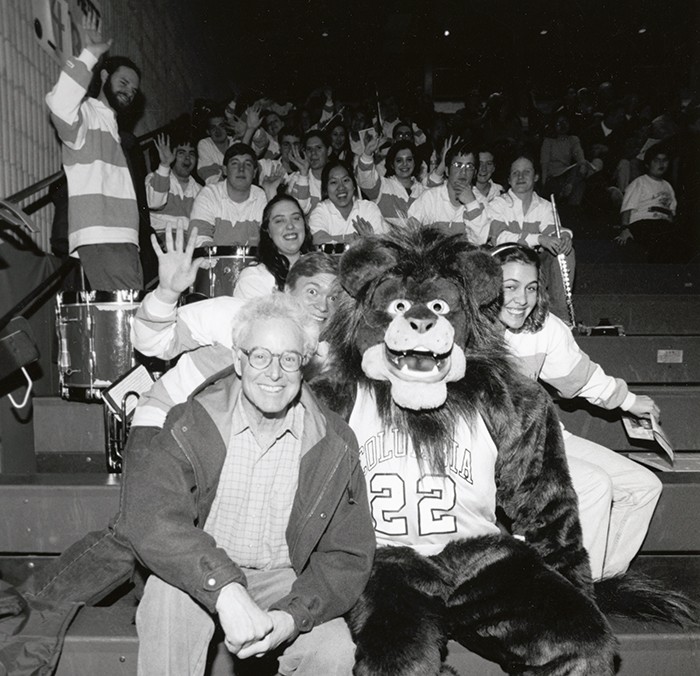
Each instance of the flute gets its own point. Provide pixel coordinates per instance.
(563, 265)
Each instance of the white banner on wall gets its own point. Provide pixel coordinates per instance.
(57, 25)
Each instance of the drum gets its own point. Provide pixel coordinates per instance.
(221, 269)
(94, 340)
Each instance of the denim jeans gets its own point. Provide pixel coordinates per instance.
(95, 565)
(175, 631)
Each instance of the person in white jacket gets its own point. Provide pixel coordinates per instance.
(617, 496)
(521, 215)
(341, 217)
(453, 207)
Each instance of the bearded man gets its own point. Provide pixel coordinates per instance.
(103, 229)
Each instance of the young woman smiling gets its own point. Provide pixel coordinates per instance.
(399, 187)
(284, 237)
(617, 496)
(341, 217)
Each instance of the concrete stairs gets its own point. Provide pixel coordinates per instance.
(659, 355)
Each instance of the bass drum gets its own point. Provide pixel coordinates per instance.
(222, 267)
(94, 340)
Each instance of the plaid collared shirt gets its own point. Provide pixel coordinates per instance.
(249, 516)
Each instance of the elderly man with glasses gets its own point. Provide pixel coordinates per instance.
(251, 510)
(453, 207)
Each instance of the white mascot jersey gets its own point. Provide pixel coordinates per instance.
(413, 507)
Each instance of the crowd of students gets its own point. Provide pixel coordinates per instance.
(279, 181)
(356, 169)
(360, 167)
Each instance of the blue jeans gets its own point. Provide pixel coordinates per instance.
(96, 565)
(175, 632)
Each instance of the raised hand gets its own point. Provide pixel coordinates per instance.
(176, 269)
(165, 154)
(237, 127)
(372, 145)
(230, 111)
(252, 116)
(449, 142)
(92, 39)
(301, 161)
(271, 182)
(362, 226)
(433, 162)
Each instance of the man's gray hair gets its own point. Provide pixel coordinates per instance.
(277, 306)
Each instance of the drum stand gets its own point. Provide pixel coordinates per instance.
(116, 433)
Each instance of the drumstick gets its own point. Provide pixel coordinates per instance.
(563, 265)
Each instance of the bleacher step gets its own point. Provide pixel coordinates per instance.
(642, 278)
(103, 640)
(100, 641)
(45, 516)
(46, 513)
(680, 409)
(647, 314)
(646, 359)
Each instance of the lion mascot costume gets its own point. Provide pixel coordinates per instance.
(475, 515)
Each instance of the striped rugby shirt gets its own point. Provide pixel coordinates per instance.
(162, 329)
(168, 199)
(553, 356)
(510, 224)
(174, 386)
(304, 189)
(387, 192)
(327, 224)
(102, 205)
(210, 160)
(223, 222)
(434, 208)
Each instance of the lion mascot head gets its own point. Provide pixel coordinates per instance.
(412, 327)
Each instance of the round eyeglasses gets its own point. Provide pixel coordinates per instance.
(260, 358)
(467, 166)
